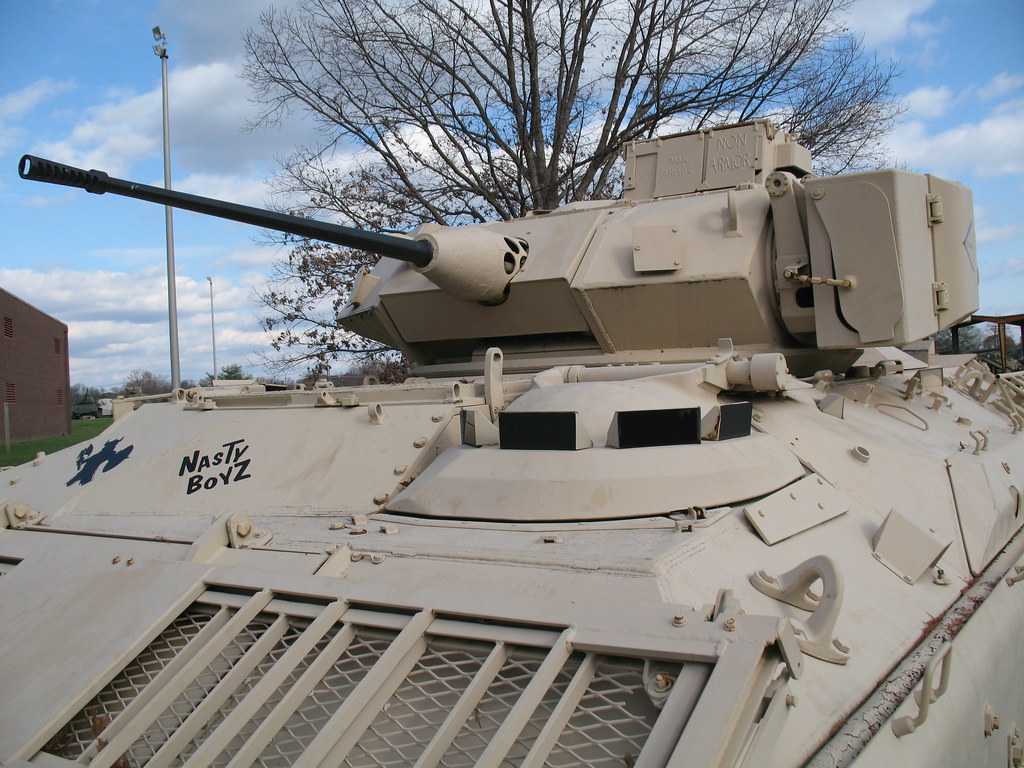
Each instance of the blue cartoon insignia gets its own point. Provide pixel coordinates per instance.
(88, 462)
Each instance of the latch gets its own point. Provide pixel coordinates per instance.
(940, 296)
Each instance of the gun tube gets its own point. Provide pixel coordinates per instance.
(417, 252)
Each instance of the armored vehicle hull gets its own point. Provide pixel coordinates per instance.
(610, 540)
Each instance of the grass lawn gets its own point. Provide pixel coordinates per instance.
(81, 430)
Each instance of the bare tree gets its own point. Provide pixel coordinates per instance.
(454, 111)
(139, 382)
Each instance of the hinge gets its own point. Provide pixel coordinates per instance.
(934, 210)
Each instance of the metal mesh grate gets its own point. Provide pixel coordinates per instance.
(88, 724)
(607, 728)
(305, 723)
(409, 720)
(194, 694)
(518, 670)
(611, 722)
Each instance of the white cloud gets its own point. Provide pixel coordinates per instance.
(883, 22)
(930, 102)
(1001, 84)
(17, 104)
(123, 324)
(969, 146)
(1000, 234)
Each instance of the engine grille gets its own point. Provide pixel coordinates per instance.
(258, 680)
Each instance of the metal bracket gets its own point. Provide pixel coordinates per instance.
(20, 515)
(814, 636)
(494, 396)
(243, 533)
(901, 726)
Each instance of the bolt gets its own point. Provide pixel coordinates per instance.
(730, 625)
(381, 499)
(130, 561)
(376, 558)
(401, 469)
(679, 621)
(437, 417)
(243, 528)
(21, 513)
(115, 560)
(662, 683)
(419, 442)
(817, 193)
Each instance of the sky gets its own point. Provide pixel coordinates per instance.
(80, 84)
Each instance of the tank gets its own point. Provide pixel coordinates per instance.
(662, 489)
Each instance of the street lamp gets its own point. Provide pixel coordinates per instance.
(213, 332)
(160, 49)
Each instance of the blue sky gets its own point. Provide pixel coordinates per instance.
(79, 83)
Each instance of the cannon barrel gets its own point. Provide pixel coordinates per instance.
(417, 252)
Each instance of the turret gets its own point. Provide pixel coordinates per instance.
(720, 233)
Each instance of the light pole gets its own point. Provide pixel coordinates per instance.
(213, 332)
(160, 49)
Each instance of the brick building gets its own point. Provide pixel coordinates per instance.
(34, 373)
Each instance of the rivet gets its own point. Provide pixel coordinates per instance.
(419, 442)
(130, 561)
(437, 417)
(382, 498)
(401, 469)
(15, 480)
(679, 621)
(115, 560)
(817, 193)
(757, 417)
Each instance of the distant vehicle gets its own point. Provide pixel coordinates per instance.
(86, 408)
